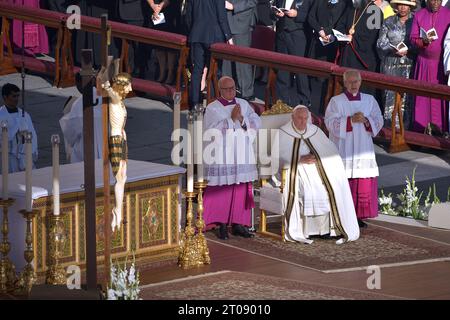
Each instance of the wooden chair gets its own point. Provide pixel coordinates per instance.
(271, 198)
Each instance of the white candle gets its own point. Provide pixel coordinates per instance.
(195, 134)
(176, 119)
(55, 161)
(190, 160)
(28, 169)
(5, 165)
(199, 141)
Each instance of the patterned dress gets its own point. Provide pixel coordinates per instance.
(394, 32)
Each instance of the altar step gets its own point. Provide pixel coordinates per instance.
(61, 292)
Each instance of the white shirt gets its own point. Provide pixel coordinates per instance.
(288, 4)
(17, 123)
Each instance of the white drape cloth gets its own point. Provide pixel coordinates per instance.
(356, 146)
(72, 128)
(16, 124)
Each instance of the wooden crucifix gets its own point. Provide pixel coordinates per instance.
(106, 60)
(88, 80)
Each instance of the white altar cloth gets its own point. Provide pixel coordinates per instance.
(71, 180)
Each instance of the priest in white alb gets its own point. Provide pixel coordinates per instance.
(353, 119)
(19, 121)
(228, 199)
(316, 196)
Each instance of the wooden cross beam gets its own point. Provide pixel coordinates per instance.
(87, 76)
(106, 62)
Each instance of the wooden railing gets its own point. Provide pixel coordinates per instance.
(63, 69)
(399, 138)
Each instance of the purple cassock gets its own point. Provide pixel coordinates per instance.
(429, 67)
(228, 204)
(36, 39)
(365, 196)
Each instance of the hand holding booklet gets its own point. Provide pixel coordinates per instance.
(159, 19)
(430, 34)
(341, 37)
(279, 10)
(324, 42)
(401, 47)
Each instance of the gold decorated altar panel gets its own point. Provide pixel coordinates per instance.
(151, 226)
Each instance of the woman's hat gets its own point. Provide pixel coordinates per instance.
(405, 2)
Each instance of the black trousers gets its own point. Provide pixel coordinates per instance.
(244, 72)
(200, 57)
(293, 43)
(139, 55)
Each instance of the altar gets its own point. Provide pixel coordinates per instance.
(152, 213)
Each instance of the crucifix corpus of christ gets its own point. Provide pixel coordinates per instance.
(114, 87)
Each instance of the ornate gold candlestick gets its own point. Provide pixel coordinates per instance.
(200, 239)
(28, 276)
(56, 274)
(189, 255)
(7, 269)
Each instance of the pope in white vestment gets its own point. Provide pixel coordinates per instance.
(72, 127)
(316, 194)
(18, 122)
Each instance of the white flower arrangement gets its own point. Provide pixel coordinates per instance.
(431, 198)
(124, 283)
(410, 201)
(386, 204)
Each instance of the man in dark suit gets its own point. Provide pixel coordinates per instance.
(241, 16)
(207, 24)
(361, 52)
(89, 40)
(137, 13)
(323, 18)
(291, 39)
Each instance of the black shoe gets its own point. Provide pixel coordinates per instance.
(223, 231)
(362, 224)
(240, 230)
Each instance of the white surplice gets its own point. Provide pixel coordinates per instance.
(17, 123)
(237, 163)
(72, 128)
(322, 201)
(355, 147)
(447, 55)
(447, 60)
